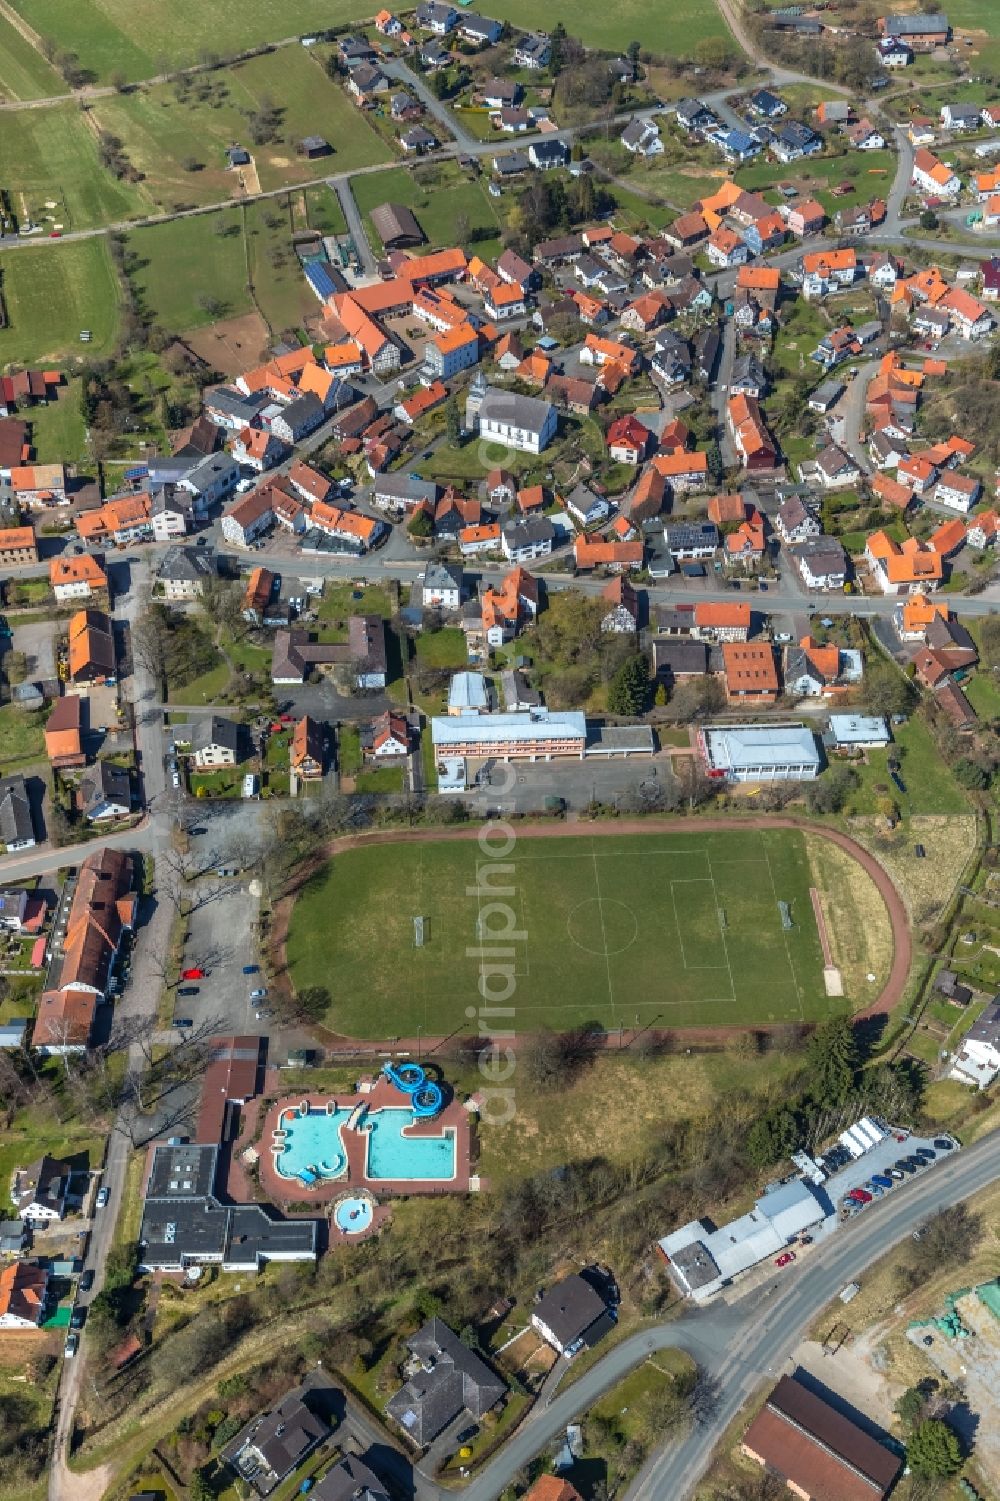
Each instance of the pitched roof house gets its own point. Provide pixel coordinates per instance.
(448, 1379)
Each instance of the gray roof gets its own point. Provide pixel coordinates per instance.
(394, 222)
(217, 731)
(569, 725)
(187, 564)
(833, 460)
(527, 412)
(404, 488)
(916, 25)
(350, 1480)
(755, 745)
(104, 783)
(528, 533)
(213, 467)
(272, 1445)
(987, 1028)
(47, 1181)
(571, 1309)
(441, 576)
(823, 554)
(451, 1379)
(675, 656)
(16, 824)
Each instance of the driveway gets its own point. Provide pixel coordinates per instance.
(37, 640)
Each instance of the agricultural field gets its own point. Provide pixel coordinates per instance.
(177, 134)
(24, 73)
(51, 293)
(440, 194)
(672, 929)
(980, 21)
(193, 272)
(142, 38)
(49, 164)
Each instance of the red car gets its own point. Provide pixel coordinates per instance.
(192, 974)
(55, 234)
(785, 1259)
(287, 719)
(860, 1196)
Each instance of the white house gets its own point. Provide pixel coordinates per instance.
(977, 1061)
(440, 587)
(524, 423)
(957, 491)
(859, 731)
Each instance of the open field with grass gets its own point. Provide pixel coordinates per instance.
(58, 431)
(188, 262)
(857, 922)
(49, 156)
(21, 739)
(24, 73)
(178, 134)
(930, 786)
(870, 172)
(981, 20)
(439, 195)
(675, 929)
(140, 38)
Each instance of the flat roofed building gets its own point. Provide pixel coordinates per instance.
(760, 753)
(703, 1258)
(537, 735)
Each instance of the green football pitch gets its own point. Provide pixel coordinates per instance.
(671, 930)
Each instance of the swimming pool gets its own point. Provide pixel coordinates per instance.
(313, 1148)
(352, 1216)
(393, 1155)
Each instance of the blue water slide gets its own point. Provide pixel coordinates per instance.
(425, 1095)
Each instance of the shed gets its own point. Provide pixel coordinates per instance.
(396, 226)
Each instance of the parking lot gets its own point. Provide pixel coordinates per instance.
(221, 942)
(881, 1158)
(627, 784)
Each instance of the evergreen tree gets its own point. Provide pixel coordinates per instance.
(934, 1449)
(833, 1060)
(629, 686)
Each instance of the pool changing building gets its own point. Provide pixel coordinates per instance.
(702, 1259)
(760, 753)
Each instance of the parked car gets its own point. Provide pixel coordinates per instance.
(192, 974)
(187, 990)
(86, 1280)
(882, 1179)
(943, 1144)
(926, 1154)
(78, 1318)
(785, 1259)
(861, 1195)
(894, 1172)
(71, 1346)
(258, 995)
(182, 1021)
(102, 1198)
(250, 969)
(904, 1165)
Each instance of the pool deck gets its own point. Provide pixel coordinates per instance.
(383, 1096)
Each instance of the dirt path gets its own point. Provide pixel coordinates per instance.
(902, 944)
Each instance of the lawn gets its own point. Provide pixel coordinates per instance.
(165, 127)
(22, 741)
(382, 779)
(695, 904)
(444, 648)
(192, 271)
(141, 37)
(203, 689)
(51, 293)
(49, 157)
(439, 194)
(58, 431)
(871, 172)
(33, 1132)
(323, 210)
(979, 16)
(930, 786)
(24, 73)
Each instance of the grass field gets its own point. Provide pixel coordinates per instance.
(24, 73)
(217, 256)
(51, 293)
(140, 38)
(676, 929)
(439, 195)
(189, 259)
(162, 130)
(49, 156)
(58, 431)
(930, 786)
(871, 173)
